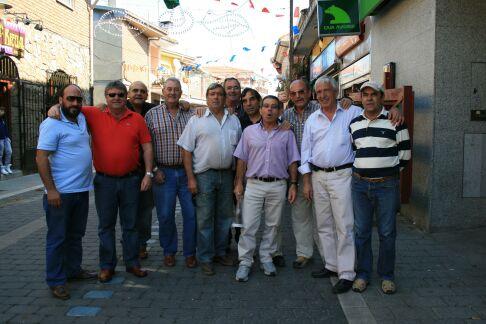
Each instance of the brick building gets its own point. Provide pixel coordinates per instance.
(45, 44)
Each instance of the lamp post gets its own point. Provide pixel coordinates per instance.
(291, 40)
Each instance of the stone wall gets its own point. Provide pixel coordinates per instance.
(404, 32)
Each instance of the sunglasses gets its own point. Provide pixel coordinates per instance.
(74, 98)
(119, 95)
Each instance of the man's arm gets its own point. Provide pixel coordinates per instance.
(404, 146)
(240, 176)
(292, 194)
(148, 159)
(191, 178)
(44, 168)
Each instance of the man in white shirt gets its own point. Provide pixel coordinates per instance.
(208, 144)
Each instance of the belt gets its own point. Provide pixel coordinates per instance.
(126, 175)
(382, 179)
(331, 169)
(177, 166)
(266, 179)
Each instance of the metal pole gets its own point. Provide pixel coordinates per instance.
(291, 40)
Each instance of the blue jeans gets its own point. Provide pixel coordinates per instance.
(144, 217)
(165, 195)
(5, 148)
(214, 211)
(66, 226)
(382, 199)
(113, 195)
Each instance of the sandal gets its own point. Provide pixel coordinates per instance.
(359, 285)
(388, 287)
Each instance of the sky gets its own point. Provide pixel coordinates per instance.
(199, 25)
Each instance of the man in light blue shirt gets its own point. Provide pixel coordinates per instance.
(64, 164)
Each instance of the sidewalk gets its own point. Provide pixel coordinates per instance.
(439, 279)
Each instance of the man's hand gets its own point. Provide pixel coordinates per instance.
(292, 193)
(345, 103)
(146, 183)
(101, 107)
(192, 184)
(395, 116)
(239, 191)
(159, 177)
(185, 105)
(285, 125)
(54, 112)
(307, 189)
(54, 198)
(200, 111)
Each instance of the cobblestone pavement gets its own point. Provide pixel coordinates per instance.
(167, 295)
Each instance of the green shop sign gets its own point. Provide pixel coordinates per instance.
(338, 17)
(367, 7)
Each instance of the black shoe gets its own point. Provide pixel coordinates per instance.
(342, 286)
(278, 261)
(323, 273)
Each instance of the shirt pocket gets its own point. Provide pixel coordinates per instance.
(233, 138)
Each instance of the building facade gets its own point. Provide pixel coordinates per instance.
(437, 47)
(45, 44)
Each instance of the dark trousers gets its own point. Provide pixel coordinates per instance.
(66, 227)
(115, 196)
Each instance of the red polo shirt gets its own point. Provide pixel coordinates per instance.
(116, 143)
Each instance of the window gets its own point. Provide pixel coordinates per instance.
(67, 3)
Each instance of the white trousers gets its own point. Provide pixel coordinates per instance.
(261, 197)
(335, 220)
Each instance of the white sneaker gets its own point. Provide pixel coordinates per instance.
(242, 273)
(7, 167)
(268, 268)
(4, 171)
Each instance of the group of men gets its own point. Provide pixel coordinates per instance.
(241, 147)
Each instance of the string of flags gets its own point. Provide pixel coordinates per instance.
(263, 9)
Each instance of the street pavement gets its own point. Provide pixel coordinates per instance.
(439, 279)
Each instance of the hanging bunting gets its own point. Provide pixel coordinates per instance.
(232, 58)
(295, 30)
(252, 6)
(279, 15)
(296, 12)
(234, 4)
(171, 4)
(263, 48)
(265, 10)
(246, 49)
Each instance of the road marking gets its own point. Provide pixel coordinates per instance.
(354, 307)
(19, 233)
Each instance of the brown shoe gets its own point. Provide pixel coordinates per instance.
(137, 272)
(225, 260)
(207, 269)
(143, 253)
(105, 275)
(169, 260)
(83, 275)
(60, 292)
(191, 261)
(300, 262)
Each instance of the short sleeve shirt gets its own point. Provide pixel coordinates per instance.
(70, 160)
(116, 143)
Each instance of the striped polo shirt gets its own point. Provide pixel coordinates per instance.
(381, 148)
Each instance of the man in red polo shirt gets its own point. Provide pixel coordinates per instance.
(117, 134)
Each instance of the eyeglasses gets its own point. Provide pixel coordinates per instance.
(74, 98)
(119, 95)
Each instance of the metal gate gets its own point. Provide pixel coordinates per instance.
(32, 113)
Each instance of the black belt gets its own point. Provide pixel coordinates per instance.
(177, 166)
(331, 169)
(126, 175)
(267, 179)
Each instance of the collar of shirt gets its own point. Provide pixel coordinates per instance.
(164, 106)
(208, 113)
(339, 108)
(127, 114)
(263, 128)
(383, 113)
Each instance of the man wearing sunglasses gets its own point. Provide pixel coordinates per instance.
(117, 134)
(64, 164)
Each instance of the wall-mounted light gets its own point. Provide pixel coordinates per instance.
(38, 27)
(26, 21)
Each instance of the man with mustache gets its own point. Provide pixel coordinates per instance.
(64, 164)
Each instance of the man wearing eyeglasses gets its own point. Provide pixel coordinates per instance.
(64, 164)
(117, 134)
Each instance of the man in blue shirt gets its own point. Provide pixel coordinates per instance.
(64, 164)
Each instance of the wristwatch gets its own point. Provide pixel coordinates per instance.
(150, 174)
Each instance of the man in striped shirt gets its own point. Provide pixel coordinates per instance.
(382, 150)
(166, 124)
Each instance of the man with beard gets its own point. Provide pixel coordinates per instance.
(64, 164)
(208, 144)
